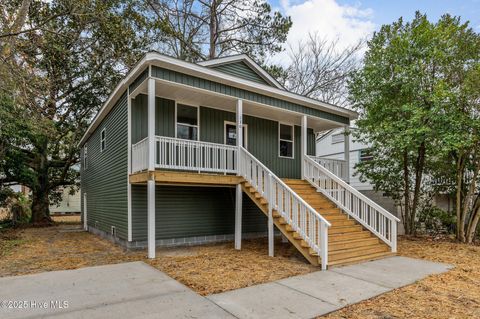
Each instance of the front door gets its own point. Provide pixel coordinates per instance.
(231, 134)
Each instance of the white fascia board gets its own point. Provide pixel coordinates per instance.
(249, 61)
(211, 74)
(157, 59)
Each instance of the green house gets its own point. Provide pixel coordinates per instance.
(185, 153)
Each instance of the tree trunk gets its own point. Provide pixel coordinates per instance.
(213, 30)
(40, 190)
(406, 194)
(418, 183)
(458, 197)
(473, 223)
(40, 207)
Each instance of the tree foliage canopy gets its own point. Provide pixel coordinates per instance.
(60, 59)
(413, 79)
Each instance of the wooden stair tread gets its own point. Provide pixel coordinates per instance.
(348, 261)
(352, 253)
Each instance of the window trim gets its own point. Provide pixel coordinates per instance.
(292, 140)
(185, 124)
(103, 140)
(334, 141)
(85, 156)
(245, 137)
(365, 158)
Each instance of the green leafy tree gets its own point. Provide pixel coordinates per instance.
(459, 160)
(60, 59)
(197, 30)
(402, 94)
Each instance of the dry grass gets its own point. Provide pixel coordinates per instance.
(67, 219)
(455, 294)
(206, 269)
(216, 268)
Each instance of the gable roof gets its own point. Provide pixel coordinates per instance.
(154, 58)
(242, 66)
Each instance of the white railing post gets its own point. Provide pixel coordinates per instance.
(393, 236)
(270, 216)
(346, 151)
(303, 144)
(324, 245)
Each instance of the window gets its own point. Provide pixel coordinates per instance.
(231, 134)
(85, 156)
(187, 122)
(285, 140)
(103, 140)
(365, 155)
(338, 138)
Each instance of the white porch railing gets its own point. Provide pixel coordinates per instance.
(308, 223)
(174, 153)
(186, 155)
(140, 155)
(336, 166)
(351, 201)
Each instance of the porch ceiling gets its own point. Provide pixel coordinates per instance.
(198, 97)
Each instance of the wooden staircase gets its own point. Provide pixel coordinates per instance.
(348, 242)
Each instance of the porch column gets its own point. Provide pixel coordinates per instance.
(346, 152)
(303, 144)
(239, 193)
(151, 169)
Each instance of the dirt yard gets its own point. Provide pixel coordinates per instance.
(206, 269)
(455, 294)
(216, 268)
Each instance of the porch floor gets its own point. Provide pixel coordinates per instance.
(185, 178)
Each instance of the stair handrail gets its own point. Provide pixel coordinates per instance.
(319, 241)
(349, 199)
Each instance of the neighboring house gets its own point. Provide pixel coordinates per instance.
(69, 204)
(171, 154)
(331, 145)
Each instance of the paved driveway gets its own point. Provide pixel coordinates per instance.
(136, 290)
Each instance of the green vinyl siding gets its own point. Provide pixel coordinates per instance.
(262, 139)
(197, 82)
(140, 78)
(105, 179)
(242, 70)
(262, 134)
(192, 211)
(164, 117)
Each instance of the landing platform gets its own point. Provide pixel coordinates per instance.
(162, 177)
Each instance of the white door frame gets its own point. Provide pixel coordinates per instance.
(245, 136)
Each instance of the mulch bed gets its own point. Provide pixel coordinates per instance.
(455, 294)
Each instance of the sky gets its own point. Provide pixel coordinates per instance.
(351, 20)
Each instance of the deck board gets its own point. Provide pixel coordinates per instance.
(186, 178)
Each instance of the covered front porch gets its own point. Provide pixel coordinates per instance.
(186, 136)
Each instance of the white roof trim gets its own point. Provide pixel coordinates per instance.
(155, 58)
(249, 61)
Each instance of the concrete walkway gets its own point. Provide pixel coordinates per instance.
(136, 290)
(321, 292)
(129, 290)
